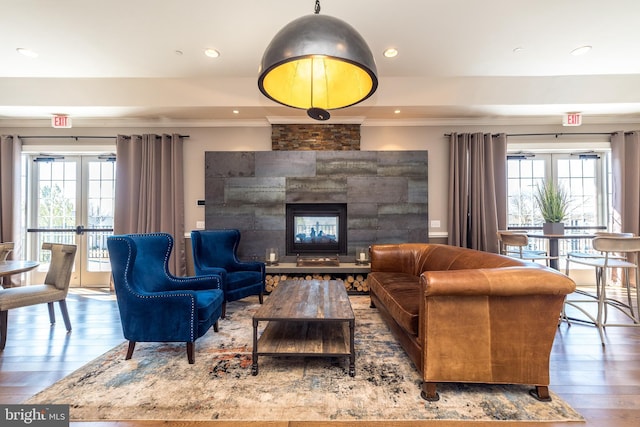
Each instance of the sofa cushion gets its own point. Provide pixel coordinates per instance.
(400, 294)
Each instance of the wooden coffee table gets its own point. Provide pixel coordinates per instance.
(306, 318)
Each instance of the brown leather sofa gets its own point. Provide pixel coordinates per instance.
(467, 316)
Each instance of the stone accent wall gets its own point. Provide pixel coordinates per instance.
(315, 137)
(385, 193)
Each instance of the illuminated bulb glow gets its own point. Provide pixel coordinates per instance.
(335, 83)
(390, 53)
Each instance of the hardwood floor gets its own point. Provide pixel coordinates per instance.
(602, 383)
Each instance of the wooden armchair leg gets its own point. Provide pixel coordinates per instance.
(429, 392)
(224, 310)
(132, 346)
(3, 328)
(52, 315)
(215, 326)
(190, 355)
(65, 314)
(261, 298)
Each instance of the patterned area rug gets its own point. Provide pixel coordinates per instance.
(159, 384)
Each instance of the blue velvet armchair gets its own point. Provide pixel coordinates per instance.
(215, 252)
(154, 305)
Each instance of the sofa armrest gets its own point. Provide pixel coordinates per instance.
(504, 281)
(494, 325)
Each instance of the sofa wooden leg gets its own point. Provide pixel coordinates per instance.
(190, 355)
(541, 393)
(429, 392)
(261, 298)
(224, 310)
(215, 326)
(132, 346)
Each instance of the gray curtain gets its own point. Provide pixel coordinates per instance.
(477, 190)
(625, 163)
(10, 152)
(150, 189)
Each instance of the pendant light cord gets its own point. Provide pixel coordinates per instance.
(316, 11)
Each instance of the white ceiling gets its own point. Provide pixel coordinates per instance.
(117, 60)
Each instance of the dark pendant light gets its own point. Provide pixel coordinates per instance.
(318, 63)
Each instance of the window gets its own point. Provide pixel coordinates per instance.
(583, 176)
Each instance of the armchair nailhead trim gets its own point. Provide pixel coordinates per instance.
(127, 268)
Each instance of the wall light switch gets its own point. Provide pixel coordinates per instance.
(435, 223)
(200, 225)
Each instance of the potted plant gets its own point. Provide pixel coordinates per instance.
(553, 202)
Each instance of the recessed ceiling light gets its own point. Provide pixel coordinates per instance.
(580, 50)
(211, 53)
(236, 112)
(396, 111)
(391, 52)
(518, 49)
(27, 52)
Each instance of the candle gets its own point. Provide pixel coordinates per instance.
(272, 257)
(363, 256)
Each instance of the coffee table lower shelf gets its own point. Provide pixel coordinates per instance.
(305, 338)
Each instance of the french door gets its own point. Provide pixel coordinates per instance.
(583, 176)
(72, 201)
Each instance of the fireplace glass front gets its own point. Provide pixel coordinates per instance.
(316, 228)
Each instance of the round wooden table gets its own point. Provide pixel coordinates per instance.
(11, 267)
(8, 268)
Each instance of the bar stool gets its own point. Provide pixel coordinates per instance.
(5, 250)
(514, 244)
(611, 248)
(591, 254)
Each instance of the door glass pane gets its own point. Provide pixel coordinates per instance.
(56, 205)
(100, 200)
(578, 176)
(524, 174)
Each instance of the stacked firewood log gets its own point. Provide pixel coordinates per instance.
(353, 283)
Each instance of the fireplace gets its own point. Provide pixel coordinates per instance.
(316, 228)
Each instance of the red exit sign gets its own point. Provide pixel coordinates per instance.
(60, 121)
(572, 119)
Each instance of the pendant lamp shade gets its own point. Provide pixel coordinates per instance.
(318, 63)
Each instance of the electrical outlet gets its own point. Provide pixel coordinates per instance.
(435, 223)
(200, 225)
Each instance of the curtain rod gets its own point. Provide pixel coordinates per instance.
(76, 137)
(556, 134)
(66, 136)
